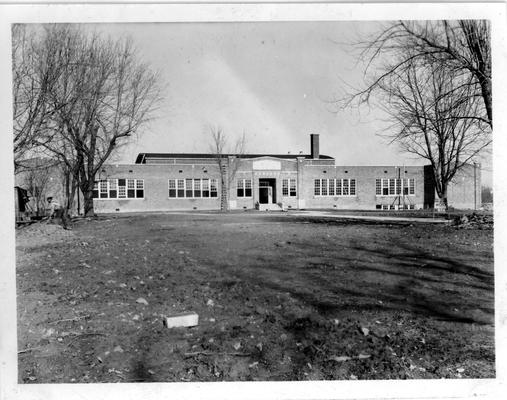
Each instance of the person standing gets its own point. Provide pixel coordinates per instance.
(57, 211)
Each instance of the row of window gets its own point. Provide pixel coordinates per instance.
(395, 186)
(334, 187)
(198, 188)
(119, 189)
(192, 188)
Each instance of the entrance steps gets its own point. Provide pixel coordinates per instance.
(269, 207)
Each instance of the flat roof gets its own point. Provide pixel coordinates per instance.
(141, 157)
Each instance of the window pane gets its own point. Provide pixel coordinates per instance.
(352, 187)
(378, 186)
(103, 189)
(239, 186)
(285, 187)
(113, 194)
(197, 188)
(292, 187)
(248, 188)
(139, 193)
(338, 187)
(139, 183)
(331, 187)
(188, 188)
(172, 187)
(345, 188)
(205, 188)
(213, 185)
(181, 188)
(323, 187)
(130, 184)
(317, 187)
(131, 193)
(391, 186)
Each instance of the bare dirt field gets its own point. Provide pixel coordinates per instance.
(279, 297)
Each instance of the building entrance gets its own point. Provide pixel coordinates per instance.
(267, 190)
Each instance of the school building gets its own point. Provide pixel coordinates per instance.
(181, 181)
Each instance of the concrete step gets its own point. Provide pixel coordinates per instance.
(269, 207)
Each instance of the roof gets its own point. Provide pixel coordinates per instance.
(141, 157)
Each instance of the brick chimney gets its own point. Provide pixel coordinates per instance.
(314, 145)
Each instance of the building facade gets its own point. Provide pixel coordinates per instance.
(164, 182)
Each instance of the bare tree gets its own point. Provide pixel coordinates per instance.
(101, 97)
(429, 108)
(463, 47)
(227, 162)
(33, 72)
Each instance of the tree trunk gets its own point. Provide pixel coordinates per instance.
(442, 198)
(87, 189)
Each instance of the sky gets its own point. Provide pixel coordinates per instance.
(273, 81)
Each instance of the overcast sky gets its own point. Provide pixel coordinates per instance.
(272, 80)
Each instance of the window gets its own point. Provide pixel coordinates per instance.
(289, 187)
(293, 190)
(139, 188)
(317, 187)
(352, 187)
(248, 187)
(188, 188)
(335, 187)
(113, 188)
(122, 188)
(332, 186)
(395, 187)
(172, 187)
(181, 188)
(411, 186)
(118, 189)
(213, 186)
(95, 190)
(338, 187)
(103, 189)
(197, 188)
(244, 188)
(345, 187)
(324, 187)
(205, 188)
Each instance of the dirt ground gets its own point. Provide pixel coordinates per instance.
(279, 297)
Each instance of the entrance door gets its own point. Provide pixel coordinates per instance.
(267, 191)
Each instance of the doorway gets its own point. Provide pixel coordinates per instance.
(267, 190)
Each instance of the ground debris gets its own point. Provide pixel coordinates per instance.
(474, 220)
(142, 300)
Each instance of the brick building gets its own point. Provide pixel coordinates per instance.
(162, 182)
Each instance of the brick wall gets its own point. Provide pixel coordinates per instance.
(156, 176)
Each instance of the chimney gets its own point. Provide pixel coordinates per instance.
(314, 145)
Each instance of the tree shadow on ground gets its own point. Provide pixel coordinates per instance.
(397, 276)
